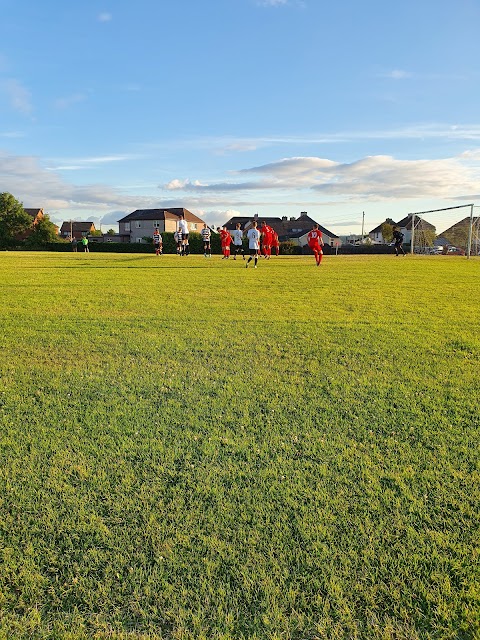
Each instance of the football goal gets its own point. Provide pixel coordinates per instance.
(460, 235)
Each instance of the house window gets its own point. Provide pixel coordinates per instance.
(138, 224)
(193, 226)
(139, 240)
(156, 224)
(127, 226)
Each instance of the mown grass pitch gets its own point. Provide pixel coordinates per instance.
(190, 449)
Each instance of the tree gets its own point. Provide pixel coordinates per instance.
(13, 219)
(111, 232)
(387, 231)
(44, 231)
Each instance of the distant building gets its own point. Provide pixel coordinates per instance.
(36, 215)
(142, 222)
(376, 235)
(405, 226)
(457, 234)
(76, 230)
(353, 239)
(421, 226)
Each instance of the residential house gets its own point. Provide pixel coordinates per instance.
(457, 234)
(296, 230)
(141, 223)
(405, 226)
(422, 228)
(353, 239)
(376, 235)
(78, 230)
(36, 215)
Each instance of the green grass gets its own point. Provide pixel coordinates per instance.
(190, 449)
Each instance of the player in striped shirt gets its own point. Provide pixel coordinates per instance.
(206, 235)
(178, 237)
(157, 242)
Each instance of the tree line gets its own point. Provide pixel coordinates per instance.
(15, 222)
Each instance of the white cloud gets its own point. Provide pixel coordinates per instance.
(29, 182)
(238, 147)
(222, 144)
(18, 95)
(373, 177)
(175, 185)
(104, 17)
(77, 164)
(183, 185)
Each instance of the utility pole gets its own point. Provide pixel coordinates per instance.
(363, 223)
(470, 233)
(413, 233)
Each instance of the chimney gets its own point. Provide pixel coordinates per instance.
(284, 218)
(292, 218)
(303, 213)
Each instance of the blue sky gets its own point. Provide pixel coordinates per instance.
(233, 107)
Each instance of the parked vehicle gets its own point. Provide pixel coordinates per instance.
(455, 251)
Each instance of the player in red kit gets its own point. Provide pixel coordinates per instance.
(267, 233)
(227, 240)
(274, 243)
(224, 234)
(315, 242)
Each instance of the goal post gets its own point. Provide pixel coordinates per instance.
(416, 222)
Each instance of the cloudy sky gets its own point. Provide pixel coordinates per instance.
(241, 107)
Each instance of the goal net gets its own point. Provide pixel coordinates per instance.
(451, 229)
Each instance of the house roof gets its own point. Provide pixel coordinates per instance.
(406, 223)
(76, 226)
(33, 212)
(377, 229)
(302, 225)
(461, 224)
(172, 213)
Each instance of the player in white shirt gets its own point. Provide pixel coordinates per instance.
(183, 229)
(237, 236)
(253, 235)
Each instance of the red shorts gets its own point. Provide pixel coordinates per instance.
(315, 247)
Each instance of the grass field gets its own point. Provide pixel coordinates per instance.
(193, 450)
